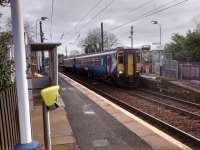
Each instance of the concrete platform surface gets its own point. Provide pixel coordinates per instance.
(187, 85)
(150, 76)
(61, 132)
(99, 124)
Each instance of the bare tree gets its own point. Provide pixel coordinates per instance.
(196, 22)
(28, 28)
(4, 2)
(92, 43)
(29, 31)
(74, 53)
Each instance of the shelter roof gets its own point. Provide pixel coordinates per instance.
(43, 46)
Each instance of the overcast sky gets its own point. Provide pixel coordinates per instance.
(68, 14)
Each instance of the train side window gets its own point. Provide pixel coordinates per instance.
(120, 58)
(137, 58)
(97, 61)
(102, 61)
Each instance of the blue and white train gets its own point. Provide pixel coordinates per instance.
(117, 64)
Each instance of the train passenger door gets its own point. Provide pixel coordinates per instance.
(109, 63)
(130, 64)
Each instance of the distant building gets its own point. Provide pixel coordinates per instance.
(151, 59)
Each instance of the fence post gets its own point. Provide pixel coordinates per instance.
(177, 70)
(199, 73)
(181, 69)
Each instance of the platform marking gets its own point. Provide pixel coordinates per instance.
(88, 110)
(169, 138)
(63, 89)
(100, 143)
(70, 88)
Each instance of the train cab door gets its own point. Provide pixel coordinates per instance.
(121, 63)
(130, 64)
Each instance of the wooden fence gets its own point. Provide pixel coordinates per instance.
(9, 122)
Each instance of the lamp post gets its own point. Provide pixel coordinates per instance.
(36, 23)
(41, 38)
(41, 32)
(156, 22)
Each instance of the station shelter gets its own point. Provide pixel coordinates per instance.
(49, 76)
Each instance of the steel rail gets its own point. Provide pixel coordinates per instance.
(170, 97)
(185, 112)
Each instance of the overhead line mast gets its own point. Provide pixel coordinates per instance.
(131, 36)
(102, 42)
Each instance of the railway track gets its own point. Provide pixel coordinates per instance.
(186, 109)
(185, 137)
(170, 98)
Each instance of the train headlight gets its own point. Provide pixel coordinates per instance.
(120, 72)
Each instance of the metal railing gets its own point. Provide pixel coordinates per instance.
(189, 71)
(170, 69)
(175, 70)
(9, 122)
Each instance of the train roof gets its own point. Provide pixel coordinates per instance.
(97, 54)
(111, 51)
(93, 54)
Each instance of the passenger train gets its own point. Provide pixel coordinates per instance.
(118, 65)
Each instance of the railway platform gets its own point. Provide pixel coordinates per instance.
(193, 85)
(99, 124)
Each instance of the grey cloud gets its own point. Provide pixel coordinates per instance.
(67, 13)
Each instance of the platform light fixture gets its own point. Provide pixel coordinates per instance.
(156, 22)
(44, 18)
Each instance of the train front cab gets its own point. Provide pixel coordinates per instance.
(126, 66)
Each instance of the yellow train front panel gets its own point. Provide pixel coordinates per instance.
(130, 64)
